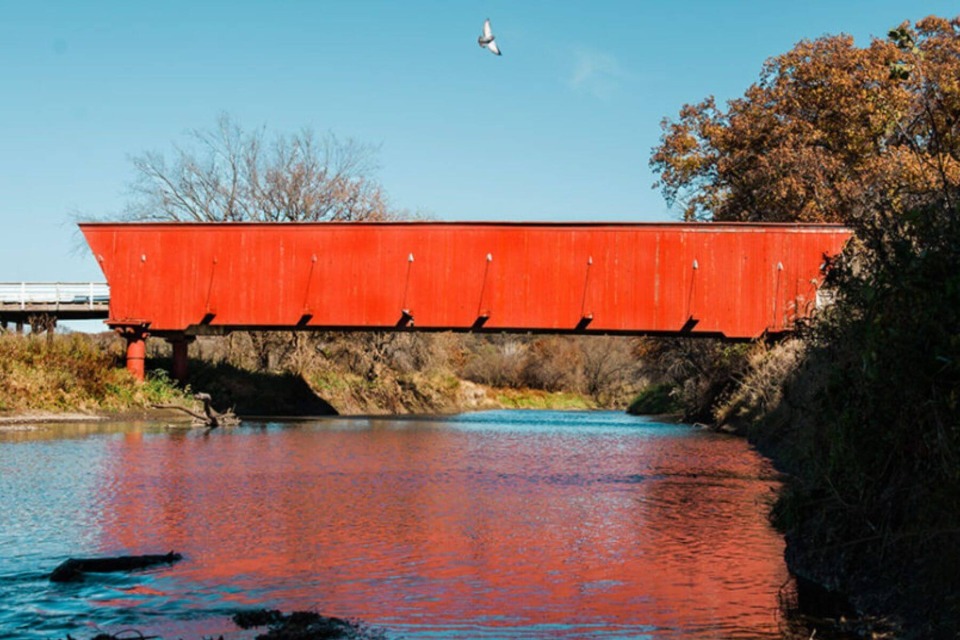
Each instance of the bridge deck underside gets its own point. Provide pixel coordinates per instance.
(734, 280)
(18, 313)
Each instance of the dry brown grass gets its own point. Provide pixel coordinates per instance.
(71, 373)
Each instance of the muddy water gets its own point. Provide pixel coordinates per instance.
(504, 524)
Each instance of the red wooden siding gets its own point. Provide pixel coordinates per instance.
(735, 280)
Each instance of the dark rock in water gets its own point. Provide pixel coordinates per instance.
(303, 625)
(73, 569)
(257, 618)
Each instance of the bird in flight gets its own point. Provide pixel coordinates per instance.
(486, 38)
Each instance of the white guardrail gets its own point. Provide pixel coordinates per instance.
(67, 294)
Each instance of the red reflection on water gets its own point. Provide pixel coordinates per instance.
(439, 526)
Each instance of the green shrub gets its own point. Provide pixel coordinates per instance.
(657, 399)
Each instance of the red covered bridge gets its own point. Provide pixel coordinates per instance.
(738, 281)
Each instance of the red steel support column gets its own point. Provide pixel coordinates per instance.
(136, 337)
(180, 344)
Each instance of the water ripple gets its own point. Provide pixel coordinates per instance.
(501, 524)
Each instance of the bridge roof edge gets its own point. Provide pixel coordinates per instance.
(682, 226)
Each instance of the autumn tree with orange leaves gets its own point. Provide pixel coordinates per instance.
(866, 416)
(829, 130)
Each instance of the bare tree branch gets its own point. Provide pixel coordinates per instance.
(225, 174)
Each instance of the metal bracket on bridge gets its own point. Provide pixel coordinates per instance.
(482, 317)
(689, 325)
(304, 319)
(406, 318)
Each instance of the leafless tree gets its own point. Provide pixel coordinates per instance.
(226, 174)
(610, 369)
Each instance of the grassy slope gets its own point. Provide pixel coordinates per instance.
(83, 373)
(71, 373)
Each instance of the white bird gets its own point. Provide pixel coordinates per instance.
(486, 38)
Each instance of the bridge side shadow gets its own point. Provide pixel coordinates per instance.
(252, 393)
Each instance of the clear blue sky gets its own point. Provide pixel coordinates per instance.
(558, 128)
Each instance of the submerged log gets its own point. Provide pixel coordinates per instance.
(72, 569)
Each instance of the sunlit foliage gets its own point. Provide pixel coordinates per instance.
(828, 130)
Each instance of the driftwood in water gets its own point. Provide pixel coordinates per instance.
(73, 569)
(210, 416)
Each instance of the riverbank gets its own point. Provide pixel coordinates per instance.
(868, 507)
(80, 377)
(868, 504)
(473, 398)
(14, 421)
(74, 375)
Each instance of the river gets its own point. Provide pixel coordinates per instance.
(502, 524)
